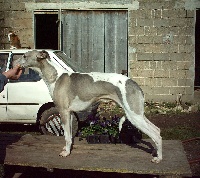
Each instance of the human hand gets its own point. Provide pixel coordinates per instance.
(14, 73)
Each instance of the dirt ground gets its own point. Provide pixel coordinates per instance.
(190, 121)
(182, 127)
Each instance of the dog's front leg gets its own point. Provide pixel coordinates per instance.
(66, 120)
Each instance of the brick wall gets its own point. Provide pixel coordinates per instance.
(161, 50)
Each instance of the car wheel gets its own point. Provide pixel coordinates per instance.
(50, 123)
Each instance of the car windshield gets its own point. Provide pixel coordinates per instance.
(61, 55)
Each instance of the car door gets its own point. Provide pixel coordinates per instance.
(26, 95)
(4, 65)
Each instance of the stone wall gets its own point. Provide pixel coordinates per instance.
(161, 39)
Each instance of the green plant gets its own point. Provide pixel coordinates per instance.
(98, 126)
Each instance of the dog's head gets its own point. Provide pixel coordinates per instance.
(33, 59)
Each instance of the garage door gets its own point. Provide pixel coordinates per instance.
(96, 40)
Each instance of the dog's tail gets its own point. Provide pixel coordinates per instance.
(122, 120)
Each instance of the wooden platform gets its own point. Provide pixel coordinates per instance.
(43, 151)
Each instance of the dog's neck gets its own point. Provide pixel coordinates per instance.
(48, 72)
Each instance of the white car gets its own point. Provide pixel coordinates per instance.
(27, 100)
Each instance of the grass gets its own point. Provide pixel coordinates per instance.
(177, 133)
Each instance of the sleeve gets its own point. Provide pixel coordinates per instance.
(3, 82)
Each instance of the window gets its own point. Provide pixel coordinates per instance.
(28, 75)
(3, 61)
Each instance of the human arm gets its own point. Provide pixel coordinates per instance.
(13, 74)
(3, 82)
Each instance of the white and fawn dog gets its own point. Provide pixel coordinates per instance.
(72, 92)
(14, 40)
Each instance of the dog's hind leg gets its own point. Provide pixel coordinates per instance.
(149, 129)
(67, 124)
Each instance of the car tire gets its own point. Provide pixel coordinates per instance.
(50, 123)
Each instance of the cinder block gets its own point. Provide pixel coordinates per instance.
(185, 31)
(189, 90)
(1, 15)
(179, 39)
(185, 65)
(145, 56)
(21, 15)
(177, 90)
(17, 6)
(152, 31)
(169, 65)
(190, 13)
(189, 40)
(145, 39)
(147, 90)
(161, 90)
(181, 22)
(140, 48)
(161, 74)
(185, 82)
(161, 23)
(142, 73)
(136, 31)
(156, 65)
(176, 56)
(169, 82)
(173, 13)
(187, 48)
(143, 65)
(160, 98)
(182, 74)
(153, 82)
(147, 48)
(132, 56)
(144, 22)
(156, 13)
(158, 39)
(132, 39)
(22, 23)
(161, 56)
(172, 48)
(143, 14)
(188, 97)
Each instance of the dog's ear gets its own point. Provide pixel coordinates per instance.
(42, 55)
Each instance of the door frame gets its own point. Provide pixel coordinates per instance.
(57, 12)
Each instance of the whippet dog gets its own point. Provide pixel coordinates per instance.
(72, 92)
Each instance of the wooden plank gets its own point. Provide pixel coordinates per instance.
(98, 41)
(116, 41)
(110, 37)
(43, 151)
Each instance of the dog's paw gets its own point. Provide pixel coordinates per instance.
(64, 153)
(156, 160)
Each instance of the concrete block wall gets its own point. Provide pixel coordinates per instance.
(160, 41)
(161, 50)
(14, 17)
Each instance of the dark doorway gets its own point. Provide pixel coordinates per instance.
(46, 31)
(197, 50)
